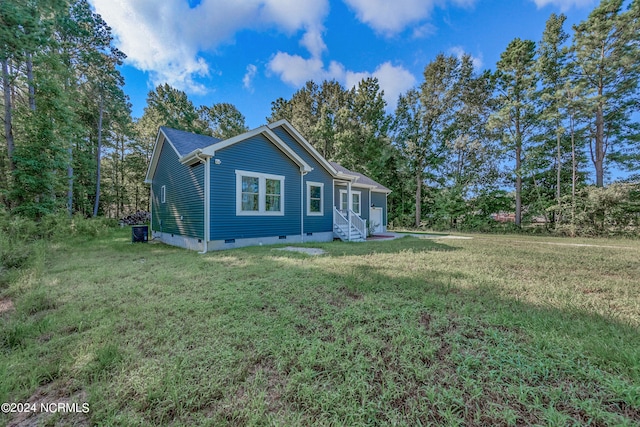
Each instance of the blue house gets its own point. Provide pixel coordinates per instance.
(268, 185)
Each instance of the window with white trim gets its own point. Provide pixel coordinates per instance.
(315, 198)
(344, 200)
(259, 193)
(355, 201)
(163, 194)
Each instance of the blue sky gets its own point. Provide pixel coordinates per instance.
(250, 52)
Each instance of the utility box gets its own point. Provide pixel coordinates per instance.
(139, 233)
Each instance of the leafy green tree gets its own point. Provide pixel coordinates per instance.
(86, 44)
(41, 155)
(26, 28)
(607, 48)
(318, 112)
(332, 105)
(515, 116)
(224, 120)
(363, 144)
(471, 154)
(423, 122)
(552, 65)
(280, 109)
(172, 108)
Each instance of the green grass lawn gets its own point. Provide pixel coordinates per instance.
(490, 331)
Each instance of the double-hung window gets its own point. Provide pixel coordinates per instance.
(315, 198)
(344, 200)
(355, 202)
(259, 193)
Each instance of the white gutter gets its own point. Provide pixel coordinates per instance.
(302, 206)
(302, 203)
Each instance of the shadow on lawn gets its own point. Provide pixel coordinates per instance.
(486, 347)
(314, 340)
(403, 244)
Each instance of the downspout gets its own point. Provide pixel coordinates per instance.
(349, 207)
(302, 204)
(151, 209)
(369, 214)
(207, 207)
(385, 213)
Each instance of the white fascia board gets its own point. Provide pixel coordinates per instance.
(380, 190)
(294, 132)
(268, 133)
(345, 176)
(194, 157)
(157, 148)
(373, 188)
(211, 150)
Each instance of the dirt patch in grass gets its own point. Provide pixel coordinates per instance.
(6, 306)
(351, 294)
(308, 251)
(54, 404)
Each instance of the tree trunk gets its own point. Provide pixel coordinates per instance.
(98, 158)
(32, 88)
(573, 178)
(70, 180)
(8, 128)
(558, 176)
(418, 197)
(518, 218)
(598, 155)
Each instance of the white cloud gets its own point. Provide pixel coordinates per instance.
(459, 52)
(394, 80)
(296, 70)
(247, 80)
(166, 38)
(312, 40)
(390, 17)
(564, 5)
(424, 31)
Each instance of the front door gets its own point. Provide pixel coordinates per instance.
(375, 219)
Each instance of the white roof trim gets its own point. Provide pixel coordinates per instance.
(157, 148)
(269, 134)
(294, 132)
(193, 157)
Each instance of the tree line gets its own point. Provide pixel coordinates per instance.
(462, 145)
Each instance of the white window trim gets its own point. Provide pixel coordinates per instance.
(359, 211)
(315, 184)
(163, 194)
(340, 201)
(262, 193)
(350, 201)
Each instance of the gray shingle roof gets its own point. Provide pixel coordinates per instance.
(186, 142)
(362, 179)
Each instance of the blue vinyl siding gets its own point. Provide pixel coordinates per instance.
(256, 154)
(312, 223)
(364, 202)
(380, 201)
(184, 196)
